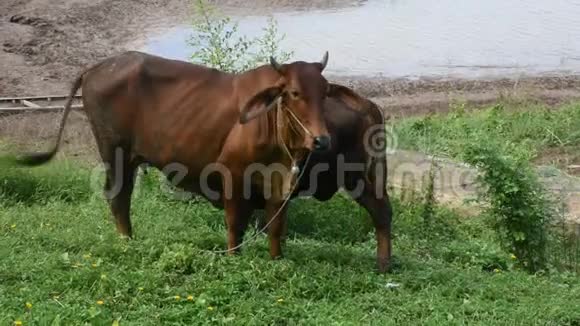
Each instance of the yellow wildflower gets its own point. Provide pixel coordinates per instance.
(17, 323)
(513, 257)
(13, 226)
(210, 308)
(190, 298)
(29, 305)
(497, 270)
(100, 302)
(177, 297)
(280, 300)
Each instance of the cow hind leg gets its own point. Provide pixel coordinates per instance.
(378, 205)
(119, 185)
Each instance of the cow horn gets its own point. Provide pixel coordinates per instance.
(275, 65)
(324, 60)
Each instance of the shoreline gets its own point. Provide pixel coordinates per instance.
(45, 44)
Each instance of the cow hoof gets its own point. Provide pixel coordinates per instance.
(277, 257)
(233, 252)
(125, 237)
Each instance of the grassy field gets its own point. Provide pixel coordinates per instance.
(543, 134)
(63, 263)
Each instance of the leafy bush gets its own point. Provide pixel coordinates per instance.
(519, 207)
(217, 44)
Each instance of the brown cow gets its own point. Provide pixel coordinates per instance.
(182, 117)
(355, 162)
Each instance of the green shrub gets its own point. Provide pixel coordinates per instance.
(217, 44)
(518, 204)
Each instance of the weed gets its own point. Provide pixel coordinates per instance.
(216, 42)
(518, 204)
(429, 201)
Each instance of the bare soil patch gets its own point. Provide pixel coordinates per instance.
(566, 158)
(403, 97)
(46, 43)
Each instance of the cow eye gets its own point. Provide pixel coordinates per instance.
(294, 94)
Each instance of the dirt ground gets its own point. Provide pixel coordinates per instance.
(45, 44)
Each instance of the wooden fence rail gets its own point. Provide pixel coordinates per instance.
(37, 103)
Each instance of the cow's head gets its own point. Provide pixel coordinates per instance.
(303, 90)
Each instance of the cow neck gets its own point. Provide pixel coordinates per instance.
(289, 131)
(282, 130)
(285, 137)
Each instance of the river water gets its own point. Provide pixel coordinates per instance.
(423, 38)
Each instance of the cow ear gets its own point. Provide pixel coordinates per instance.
(349, 97)
(262, 102)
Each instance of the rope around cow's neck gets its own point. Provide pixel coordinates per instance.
(287, 199)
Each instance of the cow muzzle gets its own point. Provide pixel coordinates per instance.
(321, 143)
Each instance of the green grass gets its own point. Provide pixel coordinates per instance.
(505, 141)
(60, 253)
(534, 129)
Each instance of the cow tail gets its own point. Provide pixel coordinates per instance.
(33, 159)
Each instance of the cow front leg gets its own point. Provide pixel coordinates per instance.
(381, 212)
(237, 216)
(276, 217)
